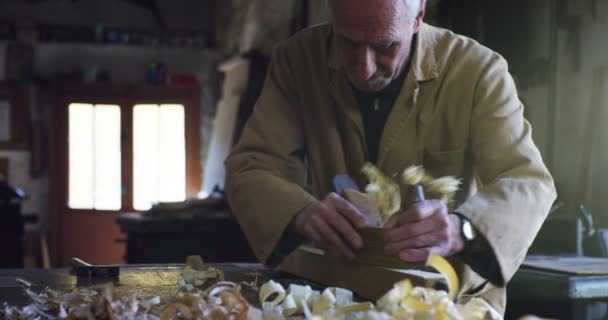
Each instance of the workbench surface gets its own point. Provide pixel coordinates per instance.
(557, 295)
(145, 280)
(530, 284)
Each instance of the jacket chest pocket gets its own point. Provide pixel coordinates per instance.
(444, 163)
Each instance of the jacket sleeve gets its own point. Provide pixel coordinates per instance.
(265, 171)
(515, 188)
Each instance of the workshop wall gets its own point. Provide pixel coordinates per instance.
(581, 106)
(244, 25)
(19, 163)
(240, 25)
(192, 15)
(555, 49)
(556, 53)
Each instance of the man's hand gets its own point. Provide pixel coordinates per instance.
(423, 229)
(332, 223)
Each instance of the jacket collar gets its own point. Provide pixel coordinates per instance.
(424, 64)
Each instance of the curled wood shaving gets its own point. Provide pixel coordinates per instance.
(415, 175)
(440, 264)
(200, 277)
(386, 194)
(270, 289)
(383, 191)
(444, 188)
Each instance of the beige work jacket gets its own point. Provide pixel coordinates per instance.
(458, 114)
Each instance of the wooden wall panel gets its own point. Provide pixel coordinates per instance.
(580, 54)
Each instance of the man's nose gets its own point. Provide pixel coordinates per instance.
(366, 63)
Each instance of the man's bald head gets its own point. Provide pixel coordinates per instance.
(404, 8)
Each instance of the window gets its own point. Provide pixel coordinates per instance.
(128, 149)
(159, 155)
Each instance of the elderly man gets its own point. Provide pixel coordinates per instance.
(379, 85)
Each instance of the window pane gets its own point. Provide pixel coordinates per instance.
(159, 155)
(145, 153)
(80, 156)
(107, 158)
(172, 157)
(94, 157)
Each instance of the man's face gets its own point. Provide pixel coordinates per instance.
(373, 39)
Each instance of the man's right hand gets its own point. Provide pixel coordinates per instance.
(332, 223)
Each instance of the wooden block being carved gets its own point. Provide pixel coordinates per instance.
(365, 205)
(368, 281)
(372, 252)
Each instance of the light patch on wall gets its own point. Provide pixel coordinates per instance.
(236, 73)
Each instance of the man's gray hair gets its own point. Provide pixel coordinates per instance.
(412, 7)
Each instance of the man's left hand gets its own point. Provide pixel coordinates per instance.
(424, 228)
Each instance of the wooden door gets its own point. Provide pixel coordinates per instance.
(87, 228)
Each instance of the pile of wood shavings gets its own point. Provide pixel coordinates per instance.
(402, 302)
(221, 301)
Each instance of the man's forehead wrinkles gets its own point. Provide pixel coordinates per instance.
(369, 35)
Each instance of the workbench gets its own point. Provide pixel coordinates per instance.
(145, 280)
(557, 295)
(538, 292)
(215, 235)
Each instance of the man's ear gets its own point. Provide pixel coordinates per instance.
(420, 16)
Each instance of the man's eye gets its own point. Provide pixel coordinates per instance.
(384, 46)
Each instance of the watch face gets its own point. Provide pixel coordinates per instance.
(467, 229)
